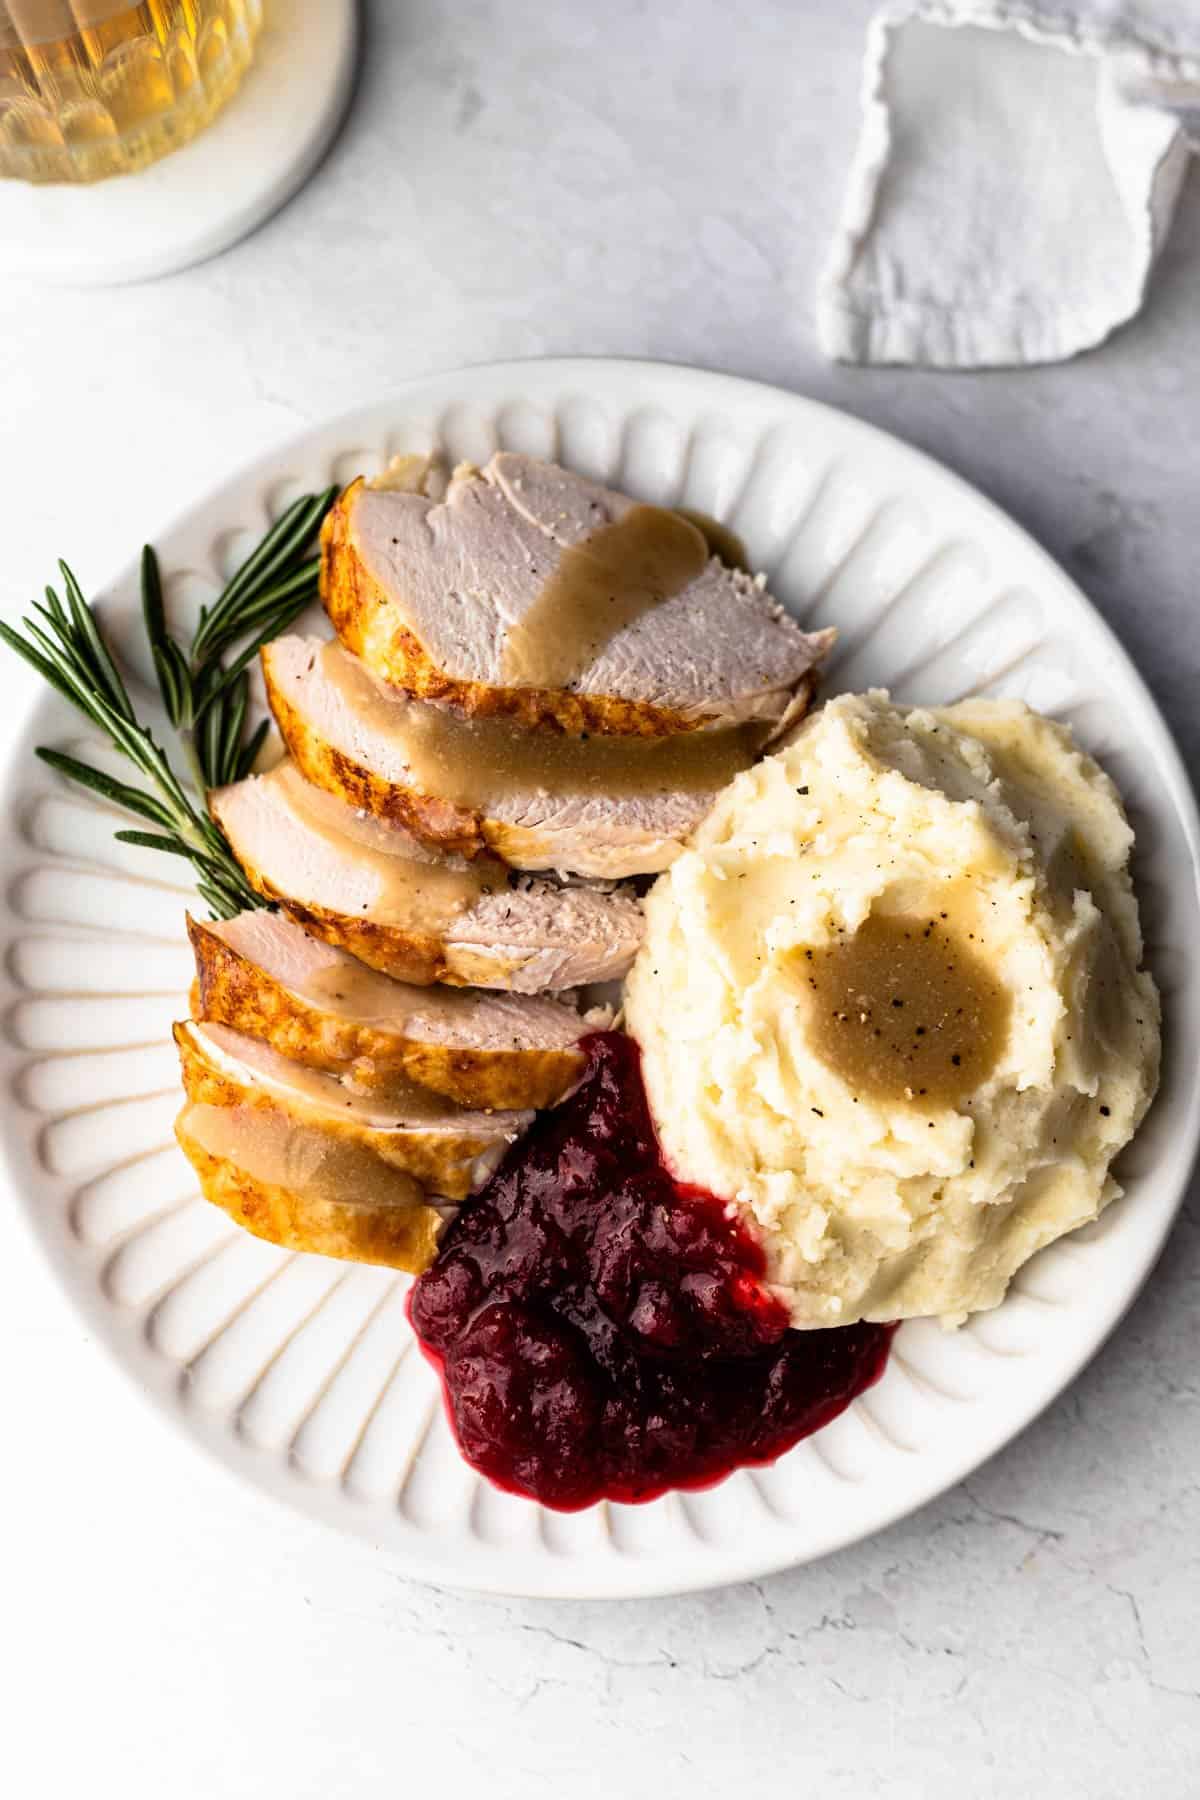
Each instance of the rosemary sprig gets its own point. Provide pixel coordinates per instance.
(205, 701)
(70, 653)
(274, 558)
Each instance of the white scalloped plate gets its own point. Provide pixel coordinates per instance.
(300, 1372)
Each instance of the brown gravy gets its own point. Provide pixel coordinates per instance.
(600, 586)
(417, 890)
(307, 1162)
(474, 761)
(355, 992)
(905, 1009)
(721, 541)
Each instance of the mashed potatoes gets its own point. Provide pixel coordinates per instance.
(889, 1003)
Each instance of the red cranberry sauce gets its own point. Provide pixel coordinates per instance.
(602, 1331)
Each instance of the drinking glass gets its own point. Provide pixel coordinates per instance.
(91, 88)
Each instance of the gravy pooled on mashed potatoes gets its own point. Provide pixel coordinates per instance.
(890, 1004)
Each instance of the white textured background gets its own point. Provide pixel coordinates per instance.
(655, 178)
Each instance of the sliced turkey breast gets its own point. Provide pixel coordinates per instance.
(372, 889)
(596, 804)
(446, 1149)
(262, 973)
(298, 1188)
(530, 591)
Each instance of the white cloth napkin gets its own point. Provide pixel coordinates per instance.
(1014, 180)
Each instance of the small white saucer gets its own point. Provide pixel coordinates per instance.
(215, 190)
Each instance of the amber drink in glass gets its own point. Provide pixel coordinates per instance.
(92, 88)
